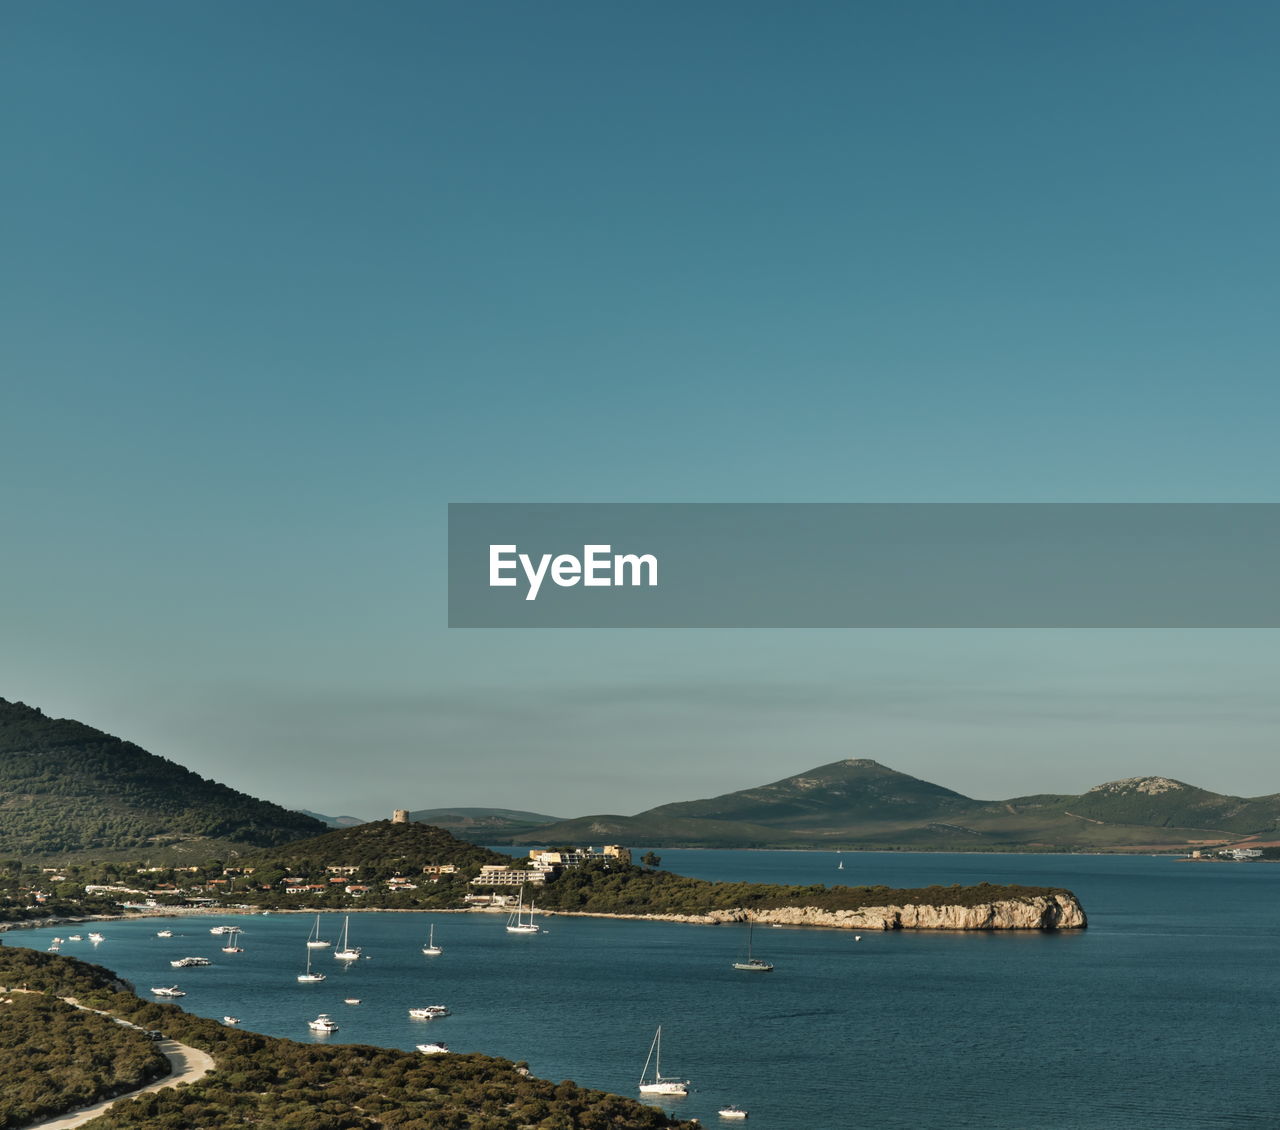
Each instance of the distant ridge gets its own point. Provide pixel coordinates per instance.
(66, 789)
(483, 825)
(858, 802)
(333, 821)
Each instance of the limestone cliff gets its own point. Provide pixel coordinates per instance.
(1040, 912)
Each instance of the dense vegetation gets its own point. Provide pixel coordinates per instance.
(54, 1057)
(282, 1085)
(379, 846)
(608, 888)
(66, 788)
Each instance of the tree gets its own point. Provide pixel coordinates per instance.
(649, 859)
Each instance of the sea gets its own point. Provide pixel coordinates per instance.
(1164, 1013)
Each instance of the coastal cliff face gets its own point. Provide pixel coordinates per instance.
(1042, 912)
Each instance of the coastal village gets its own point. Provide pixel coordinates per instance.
(328, 882)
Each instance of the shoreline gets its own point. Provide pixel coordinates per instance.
(1040, 913)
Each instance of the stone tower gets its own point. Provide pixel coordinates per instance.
(400, 816)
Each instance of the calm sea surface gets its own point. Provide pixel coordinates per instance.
(1164, 1013)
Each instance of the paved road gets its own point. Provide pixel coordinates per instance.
(189, 1064)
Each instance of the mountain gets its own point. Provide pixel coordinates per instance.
(842, 792)
(333, 821)
(861, 803)
(66, 789)
(483, 825)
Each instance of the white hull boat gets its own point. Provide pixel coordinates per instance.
(657, 1085)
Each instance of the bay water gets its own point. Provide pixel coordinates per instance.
(1162, 1014)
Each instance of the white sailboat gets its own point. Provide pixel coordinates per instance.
(753, 964)
(233, 946)
(345, 951)
(314, 940)
(431, 949)
(658, 1085)
(515, 920)
(308, 975)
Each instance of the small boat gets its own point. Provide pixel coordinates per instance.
(190, 962)
(433, 1049)
(753, 964)
(345, 951)
(322, 1023)
(429, 1012)
(164, 933)
(171, 991)
(431, 949)
(515, 921)
(314, 940)
(657, 1085)
(75, 938)
(839, 867)
(351, 1000)
(95, 937)
(220, 929)
(231, 1020)
(54, 947)
(731, 1112)
(309, 975)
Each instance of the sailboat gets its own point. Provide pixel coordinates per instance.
(232, 945)
(345, 952)
(314, 940)
(753, 964)
(308, 975)
(658, 1085)
(515, 920)
(431, 949)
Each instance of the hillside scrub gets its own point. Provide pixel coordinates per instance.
(279, 1084)
(55, 1058)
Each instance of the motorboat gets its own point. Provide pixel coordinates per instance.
(429, 1012)
(171, 991)
(322, 1023)
(433, 1049)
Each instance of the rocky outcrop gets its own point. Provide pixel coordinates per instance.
(1060, 911)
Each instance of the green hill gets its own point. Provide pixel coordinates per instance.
(68, 789)
(842, 792)
(1160, 801)
(381, 845)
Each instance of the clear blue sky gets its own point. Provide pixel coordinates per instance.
(281, 280)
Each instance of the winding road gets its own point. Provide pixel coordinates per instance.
(188, 1064)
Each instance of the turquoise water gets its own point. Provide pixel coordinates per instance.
(1162, 1014)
